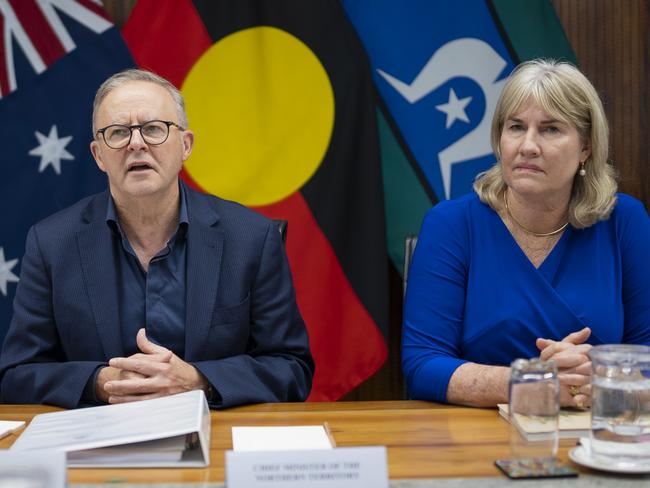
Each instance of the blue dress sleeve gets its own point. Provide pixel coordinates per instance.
(435, 297)
(633, 229)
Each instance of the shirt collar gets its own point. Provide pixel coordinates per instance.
(113, 222)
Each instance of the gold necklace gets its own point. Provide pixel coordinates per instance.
(536, 234)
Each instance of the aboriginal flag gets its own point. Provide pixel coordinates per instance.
(280, 98)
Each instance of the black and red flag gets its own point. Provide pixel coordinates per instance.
(280, 98)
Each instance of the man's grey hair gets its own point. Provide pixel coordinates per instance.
(128, 75)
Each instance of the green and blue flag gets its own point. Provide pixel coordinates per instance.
(439, 68)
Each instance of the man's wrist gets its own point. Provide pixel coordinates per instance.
(210, 392)
(101, 377)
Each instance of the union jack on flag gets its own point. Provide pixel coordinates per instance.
(53, 56)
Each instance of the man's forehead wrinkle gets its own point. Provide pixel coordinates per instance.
(128, 116)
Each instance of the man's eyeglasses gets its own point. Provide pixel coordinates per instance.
(154, 133)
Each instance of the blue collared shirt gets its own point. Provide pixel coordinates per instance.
(154, 299)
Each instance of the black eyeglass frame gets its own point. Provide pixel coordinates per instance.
(139, 127)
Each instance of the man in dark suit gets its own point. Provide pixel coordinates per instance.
(151, 288)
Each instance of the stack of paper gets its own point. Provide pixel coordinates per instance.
(9, 427)
(168, 450)
(572, 424)
(291, 438)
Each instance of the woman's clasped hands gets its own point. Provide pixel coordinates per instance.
(573, 366)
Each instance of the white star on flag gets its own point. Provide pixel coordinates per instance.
(454, 108)
(51, 149)
(6, 276)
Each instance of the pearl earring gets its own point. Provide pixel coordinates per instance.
(582, 171)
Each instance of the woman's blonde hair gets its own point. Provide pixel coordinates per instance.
(564, 93)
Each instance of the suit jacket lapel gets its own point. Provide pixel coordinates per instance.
(204, 252)
(97, 254)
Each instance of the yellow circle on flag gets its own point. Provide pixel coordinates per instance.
(262, 107)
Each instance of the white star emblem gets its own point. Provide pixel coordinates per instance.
(6, 276)
(454, 108)
(51, 149)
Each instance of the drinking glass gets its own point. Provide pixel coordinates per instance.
(534, 408)
(620, 404)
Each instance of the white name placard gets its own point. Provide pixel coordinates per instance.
(34, 469)
(346, 467)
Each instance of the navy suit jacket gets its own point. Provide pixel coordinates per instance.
(243, 330)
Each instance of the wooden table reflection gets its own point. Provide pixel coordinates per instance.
(424, 440)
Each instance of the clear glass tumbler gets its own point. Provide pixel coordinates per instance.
(620, 405)
(534, 408)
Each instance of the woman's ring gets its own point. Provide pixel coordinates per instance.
(574, 390)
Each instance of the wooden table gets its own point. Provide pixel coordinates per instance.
(424, 440)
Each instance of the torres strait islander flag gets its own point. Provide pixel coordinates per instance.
(439, 68)
(53, 56)
(280, 98)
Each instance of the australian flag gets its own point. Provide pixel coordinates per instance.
(54, 54)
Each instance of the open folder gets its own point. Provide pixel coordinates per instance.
(173, 431)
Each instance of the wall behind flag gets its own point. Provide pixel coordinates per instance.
(611, 40)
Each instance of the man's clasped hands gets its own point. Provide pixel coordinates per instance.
(153, 372)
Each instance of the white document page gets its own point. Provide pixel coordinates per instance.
(168, 450)
(292, 438)
(9, 426)
(111, 425)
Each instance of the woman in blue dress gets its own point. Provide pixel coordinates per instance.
(544, 258)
